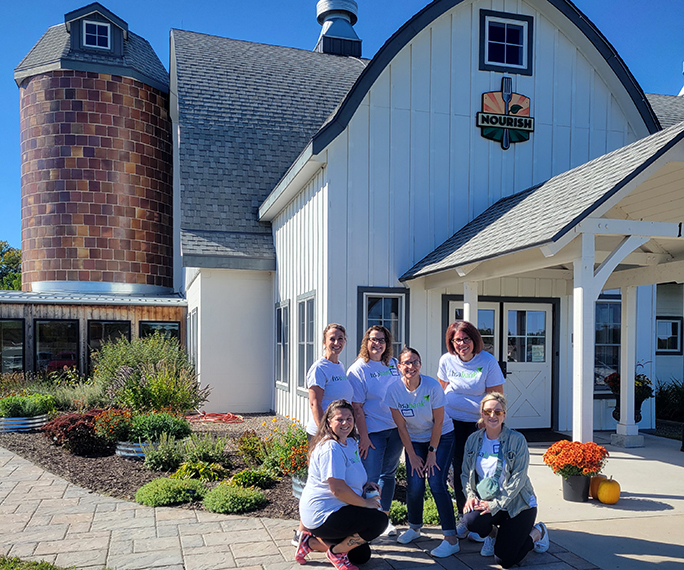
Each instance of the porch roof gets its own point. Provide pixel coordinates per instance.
(543, 214)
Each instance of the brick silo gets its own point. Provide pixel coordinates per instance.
(96, 160)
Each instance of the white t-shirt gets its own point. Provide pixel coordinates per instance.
(370, 381)
(333, 380)
(330, 459)
(467, 383)
(416, 407)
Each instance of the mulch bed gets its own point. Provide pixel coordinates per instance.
(121, 478)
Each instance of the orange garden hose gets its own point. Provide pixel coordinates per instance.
(214, 417)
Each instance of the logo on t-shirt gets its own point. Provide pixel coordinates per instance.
(465, 373)
(338, 378)
(380, 374)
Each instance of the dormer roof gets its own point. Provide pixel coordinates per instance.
(95, 8)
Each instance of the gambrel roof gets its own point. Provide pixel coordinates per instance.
(245, 111)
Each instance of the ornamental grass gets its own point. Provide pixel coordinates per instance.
(569, 458)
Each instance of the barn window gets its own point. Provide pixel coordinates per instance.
(56, 345)
(505, 42)
(385, 307)
(96, 35)
(305, 337)
(282, 368)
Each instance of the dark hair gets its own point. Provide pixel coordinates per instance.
(409, 350)
(363, 350)
(469, 329)
(324, 432)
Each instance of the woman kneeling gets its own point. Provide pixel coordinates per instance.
(338, 519)
(501, 504)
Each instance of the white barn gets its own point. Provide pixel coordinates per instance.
(316, 187)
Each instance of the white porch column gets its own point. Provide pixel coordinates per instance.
(627, 430)
(583, 325)
(470, 301)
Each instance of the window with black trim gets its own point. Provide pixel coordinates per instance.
(305, 338)
(56, 345)
(96, 35)
(282, 364)
(387, 309)
(669, 335)
(11, 345)
(505, 42)
(100, 332)
(607, 346)
(169, 329)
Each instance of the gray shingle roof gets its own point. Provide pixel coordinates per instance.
(53, 51)
(544, 213)
(254, 250)
(246, 111)
(668, 108)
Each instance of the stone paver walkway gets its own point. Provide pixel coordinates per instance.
(43, 517)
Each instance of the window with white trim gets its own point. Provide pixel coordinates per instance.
(282, 364)
(193, 336)
(305, 338)
(669, 335)
(389, 311)
(96, 35)
(505, 42)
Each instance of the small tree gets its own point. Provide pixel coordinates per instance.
(10, 267)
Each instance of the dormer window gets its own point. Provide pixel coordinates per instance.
(96, 35)
(505, 42)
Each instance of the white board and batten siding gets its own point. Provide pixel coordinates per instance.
(411, 168)
(301, 242)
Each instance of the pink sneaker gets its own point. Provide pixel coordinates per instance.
(303, 547)
(340, 561)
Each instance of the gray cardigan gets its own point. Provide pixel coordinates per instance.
(517, 492)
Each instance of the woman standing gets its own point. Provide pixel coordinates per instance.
(340, 520)
(467, 373)
(501, 504)
(326, 379)
(380, 446)
(417, 405)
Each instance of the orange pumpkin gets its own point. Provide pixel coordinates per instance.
(609, 491)
(594, 485)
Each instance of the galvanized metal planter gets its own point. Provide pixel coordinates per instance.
(23, 424)
(298, 484)
(131, 450)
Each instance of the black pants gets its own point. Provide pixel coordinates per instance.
(461, 432)
(513, 540)
(349, 520)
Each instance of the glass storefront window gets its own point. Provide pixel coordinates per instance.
(11, 345)
(56, 345)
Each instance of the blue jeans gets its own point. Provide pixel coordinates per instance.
(381, 463)
(415, 492)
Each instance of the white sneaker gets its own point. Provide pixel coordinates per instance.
(295, 541)
(461, 530)
(445, 549)
(488, 546)
(475, 537)
(542, 545)
(408, 536)
(390, 530)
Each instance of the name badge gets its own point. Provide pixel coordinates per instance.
(394, 371)
(408, 413)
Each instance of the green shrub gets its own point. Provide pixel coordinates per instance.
(166, 456)
(252, 478)
(147, 374)
(76, 433)
(206, 447)
(251, 448)
(26, 406)
(670, 400)
(200, 470)
(236, 500)
(398, 513)
(149, 427)
(430, 515)
(162, 492)
(401, 472)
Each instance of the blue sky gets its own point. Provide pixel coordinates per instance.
(647, 35)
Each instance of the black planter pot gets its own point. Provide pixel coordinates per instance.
(576, 488)
(637, 410)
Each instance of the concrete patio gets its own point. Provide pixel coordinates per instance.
(46, 518)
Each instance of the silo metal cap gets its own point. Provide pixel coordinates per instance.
(326, 8)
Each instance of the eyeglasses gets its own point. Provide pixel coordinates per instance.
(464, 340)
(378, 340)
(410, 363)
(497, 413)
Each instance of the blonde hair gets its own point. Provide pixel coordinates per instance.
(498, 396)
